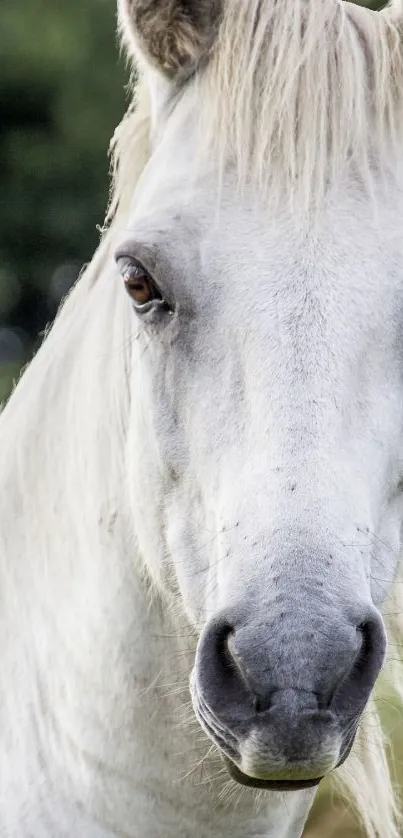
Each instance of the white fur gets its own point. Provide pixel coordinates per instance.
(145, 473)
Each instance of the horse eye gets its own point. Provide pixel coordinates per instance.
(138, 283)
(141, 289)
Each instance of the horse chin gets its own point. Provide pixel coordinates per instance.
(269, 785)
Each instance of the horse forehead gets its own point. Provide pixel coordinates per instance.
(354, 253)
(232, 240)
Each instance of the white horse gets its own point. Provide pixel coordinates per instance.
(201, 471)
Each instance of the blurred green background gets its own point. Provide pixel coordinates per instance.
(62, 92)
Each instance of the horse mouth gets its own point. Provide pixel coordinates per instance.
(270, 785)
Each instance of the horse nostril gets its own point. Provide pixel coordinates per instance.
(363, 655)
(360, 680)
(221, 674)
(229, 659)
(224, 656)
(232, 671)
(262, 704)
(372, 648)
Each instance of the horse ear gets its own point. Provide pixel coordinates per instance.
(175, 36)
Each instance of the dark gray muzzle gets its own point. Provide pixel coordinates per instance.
(282, 697)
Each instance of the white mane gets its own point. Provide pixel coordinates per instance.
(302, 86)
(298, 90)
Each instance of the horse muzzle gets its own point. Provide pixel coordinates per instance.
(282, 699)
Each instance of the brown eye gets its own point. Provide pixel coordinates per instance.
(141, 289)
(139, 284)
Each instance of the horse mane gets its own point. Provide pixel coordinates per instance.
(295, 95)
(296, 90)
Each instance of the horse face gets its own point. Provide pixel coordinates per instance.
(265, 448)
(266, 457)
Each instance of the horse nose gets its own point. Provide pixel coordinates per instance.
(354, 688)
(243, 668)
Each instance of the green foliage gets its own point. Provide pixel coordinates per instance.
(61, 94)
